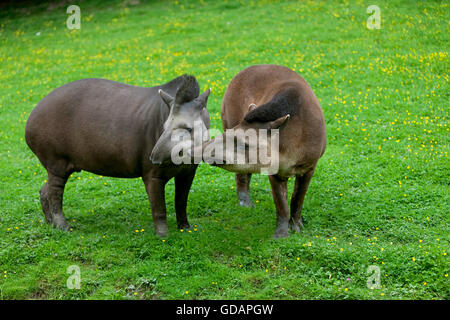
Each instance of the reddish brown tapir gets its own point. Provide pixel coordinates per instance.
(271, 97)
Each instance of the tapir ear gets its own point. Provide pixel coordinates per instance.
(203, 98)
(251, 107)
(279, 123)
(167, 98)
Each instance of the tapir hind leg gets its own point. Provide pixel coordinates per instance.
(55, 191)
(44, 202)
(243, 189)
(298, 196)
(279, 193)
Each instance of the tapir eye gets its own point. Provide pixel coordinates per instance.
(189, 130)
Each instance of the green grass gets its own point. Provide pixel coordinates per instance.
(380, 195)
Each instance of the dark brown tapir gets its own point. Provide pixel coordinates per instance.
(112, 129)
(271, 97)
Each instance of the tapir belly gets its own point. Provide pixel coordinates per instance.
(103, 152)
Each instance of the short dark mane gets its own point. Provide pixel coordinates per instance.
(284, 102)
(186, 88)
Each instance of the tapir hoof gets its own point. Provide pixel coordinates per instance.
(162, 230)
(245, 201)
(281, 234)
(63, 227)
(184, 226)
(295, 225)
(282, 230)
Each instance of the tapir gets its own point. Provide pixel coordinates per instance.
(272, 98)
(114, 129)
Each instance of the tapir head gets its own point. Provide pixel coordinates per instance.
(250, 147)
(185, 126)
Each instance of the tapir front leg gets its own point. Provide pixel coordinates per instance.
(156, 193)
(243, 189)
(279, 193)
(182, 186)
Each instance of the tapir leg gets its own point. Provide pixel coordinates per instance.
(301, 186)
(182, 186)
(55, 192)
(243, 189)
(279, 193)
(44, 202)
(156, 193)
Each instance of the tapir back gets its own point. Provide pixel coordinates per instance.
(97, 125)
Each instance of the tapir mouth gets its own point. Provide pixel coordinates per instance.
(155, 159)
(186, 158)
(160, 161)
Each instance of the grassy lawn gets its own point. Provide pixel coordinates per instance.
(380, 195)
